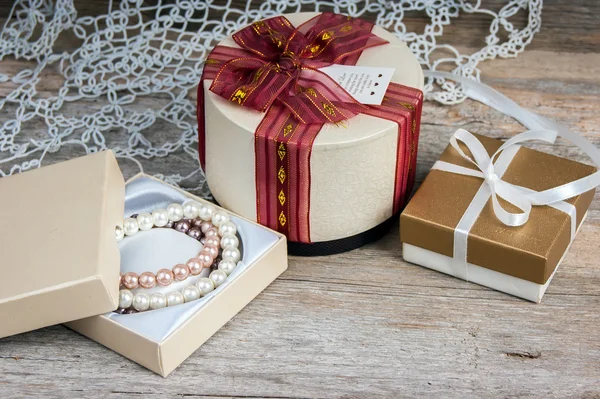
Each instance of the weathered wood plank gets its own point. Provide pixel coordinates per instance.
(366, 323)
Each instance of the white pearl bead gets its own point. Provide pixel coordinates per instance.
(141, 302)
(218, 277)
(125, 299)
(206, 211)
(119, 233)
(145, 221)
(190, 209)
(219, 217)
(190, 293)
(227, 228)
(175, 212)
(160, 217)
(130, 226)
(205, 285)
(158, 300)
(229, 241)
(227, 266)
(174, 298)
(231, 254)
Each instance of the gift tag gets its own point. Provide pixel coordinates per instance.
(366, 84)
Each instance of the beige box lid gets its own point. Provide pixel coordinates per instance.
(59, 259)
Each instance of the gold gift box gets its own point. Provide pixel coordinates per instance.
(529, 253)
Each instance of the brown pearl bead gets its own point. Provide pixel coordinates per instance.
(164, 277)
(130, 280)
(195, 233)
(147, 280)
(169, 225)
(180, 272)
(130, 311)
(195, 266)
(182, 226)
(197, 222)
(205, 226)
(212, 250)
(203, 240)
(214, 266)
(206, 259)
(120, 311)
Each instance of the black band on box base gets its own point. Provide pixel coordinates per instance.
(343, 244)
(340, 245)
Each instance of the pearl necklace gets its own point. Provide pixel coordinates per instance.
(219, 232)
(209, 255)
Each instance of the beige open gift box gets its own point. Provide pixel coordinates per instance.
(70, 211)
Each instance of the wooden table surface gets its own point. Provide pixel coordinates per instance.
(366, 323)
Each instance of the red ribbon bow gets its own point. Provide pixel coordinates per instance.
(281, 64)
(276, 70)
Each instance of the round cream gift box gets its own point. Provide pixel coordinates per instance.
(352, 165)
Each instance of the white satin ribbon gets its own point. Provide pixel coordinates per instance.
(492, 171)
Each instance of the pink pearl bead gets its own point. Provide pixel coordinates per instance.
(195, 266)
(214, 241)
(130, 280)
(212, 232)
(211, 249)
(206, 259)
(164, 277)
(205, 226)
(180, 272)
(147, 280)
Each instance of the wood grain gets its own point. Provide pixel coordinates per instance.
(366, 323)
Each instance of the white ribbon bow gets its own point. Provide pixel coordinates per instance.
(538, 124)
(516, 195)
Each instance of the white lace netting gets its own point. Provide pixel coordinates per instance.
(130, 83)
